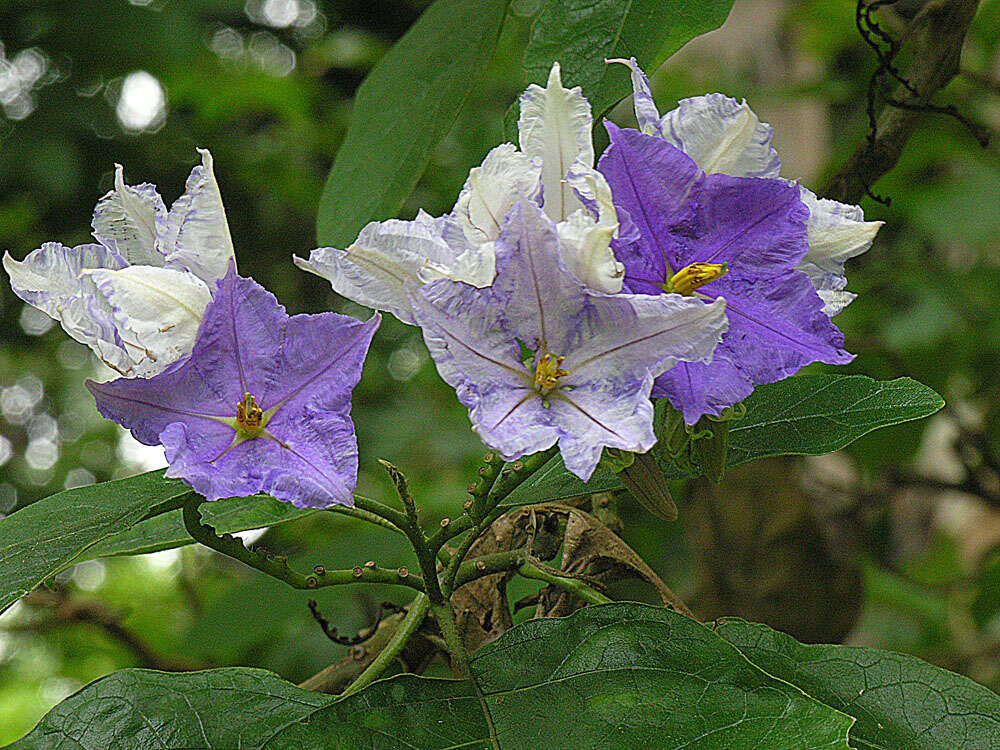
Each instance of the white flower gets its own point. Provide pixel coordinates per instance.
(724, 136)
(554, 168)
(137, 298)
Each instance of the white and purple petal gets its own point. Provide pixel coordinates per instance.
(53, 278)
(554, 127)
(131, 219)
(196, 237)
(491, 190)
(837, 233)
(159, 307)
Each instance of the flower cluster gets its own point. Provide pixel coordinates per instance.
(557, 297)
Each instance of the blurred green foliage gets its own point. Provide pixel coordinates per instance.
(894, 535)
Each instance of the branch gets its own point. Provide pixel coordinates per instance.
(277, 566)
(68, 611)
(935, 36)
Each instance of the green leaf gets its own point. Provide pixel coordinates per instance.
(47, 536)
(580, 34)
(816, 414)
(898, 701)
(618, 675)
(123, 517)
(631, 675)
(804, 415)
(403, 108)
(225, 516)
(402, 713)
(140, 708)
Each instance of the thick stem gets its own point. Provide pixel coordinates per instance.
(459, 657)
(518, 560)
(413, 620)
(277, 567)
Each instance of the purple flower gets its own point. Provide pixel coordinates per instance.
(724, 136)
(261, 405)
(734, 238)
(591, 357)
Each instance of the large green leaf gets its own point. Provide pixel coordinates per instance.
(619, 675)
(125, 516)
(403, 108)
(898, 701)
(805, 415)
(225, 516)
(47, 536)
(140, 708)
(580, 34)
(631, 675)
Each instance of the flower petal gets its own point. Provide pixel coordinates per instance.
(542, 297)
(554, 126)
(301, 369)
(722, 135)
(607, 413)
(492, 189)
(585, 236)
(653, 182)
(161, 307)
(52, 279)
(197, 236)
(475, 354)
(625, 336)
(646, 113)
(130, 219)
(837, 232)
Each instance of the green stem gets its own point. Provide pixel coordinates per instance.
(518, 560)
(509, 478)
(567, 583)
(277, 567)
(376, 508)
(414, 619)
(459, 657)
(364, 515)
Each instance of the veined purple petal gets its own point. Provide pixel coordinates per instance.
(757, 227)
(300, 370)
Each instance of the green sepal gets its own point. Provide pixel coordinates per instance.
(615, 459)
(709, 450)
(645, 481)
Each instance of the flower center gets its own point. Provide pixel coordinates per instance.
(548, 372)
(249, 416)
(695, 276)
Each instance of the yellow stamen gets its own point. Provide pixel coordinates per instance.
(548, 372)
(696, 276)
(249, 416)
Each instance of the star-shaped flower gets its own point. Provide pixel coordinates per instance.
(261, 405)
(137, 298)
(539, 358)
(724, 136)
(719, 237)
